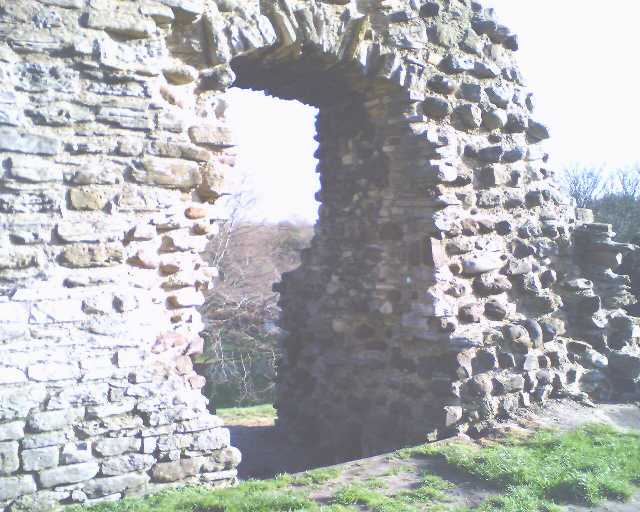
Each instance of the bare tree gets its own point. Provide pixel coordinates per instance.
(614, 197)
(241, 312)
(584, 184)
(237, 204)
(628, 181)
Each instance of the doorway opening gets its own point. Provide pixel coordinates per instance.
(271, 209)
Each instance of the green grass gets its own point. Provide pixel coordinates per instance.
(534, 474)
(430, 492)
(587, 466)
(315, 477)
(397, 470)
(249, 496)
(255, 413)
(360, 494)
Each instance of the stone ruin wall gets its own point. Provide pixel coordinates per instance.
(449, 281)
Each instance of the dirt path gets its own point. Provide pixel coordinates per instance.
(566, 414)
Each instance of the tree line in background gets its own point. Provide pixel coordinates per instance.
(613, 196)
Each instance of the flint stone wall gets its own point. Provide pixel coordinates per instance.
(449, 282)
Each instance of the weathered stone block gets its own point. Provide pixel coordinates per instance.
(11, 376)
(57, 438)
(79, 395)
(436, 107)
(170, 173)
(87, 255)
(41, 458)
(500, 96)
(503, 384)
(127, 464)
(116, 446)
(125, 118)
(218, 136)
(108, 486)
(19, 258)
(625, 365)
(17, 402)
(9, 461)
(186, 298)
(120, 19)
(50, 312)
(74, 453)
(495, 119)
(186, 10)
(12, 431)
(17, 142)
(211, 440)
(101, 231)
(55, 420)
(70, 474)
(481, 263)
(34, 170)
(180, 74)
(11, 116)
(11, 312)
(161, 14)
(16, 486)
(228, 457)
(177, 470)
(61, 113)
(91, 198)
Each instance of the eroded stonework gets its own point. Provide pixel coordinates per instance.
(450, 281)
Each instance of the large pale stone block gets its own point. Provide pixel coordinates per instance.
(41, 458)
(56, 311)
(9, 461)
(12, 431)
(106, 486)
(170, 173)
(11, 376)
(70, 474)
(127, 464)
(17, 142)
(55, 420)
(117, 446)
(124, 22)
(14, 487)
(89, 255)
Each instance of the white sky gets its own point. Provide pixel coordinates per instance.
(580, 57)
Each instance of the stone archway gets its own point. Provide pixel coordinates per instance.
(441, 290)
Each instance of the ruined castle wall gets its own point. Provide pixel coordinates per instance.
(109, 167)
(449, 282)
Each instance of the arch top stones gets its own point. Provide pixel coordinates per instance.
(449, 281)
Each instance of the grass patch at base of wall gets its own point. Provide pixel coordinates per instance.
(250, 496)
(256, 413)
(532, 474)
(584, 466)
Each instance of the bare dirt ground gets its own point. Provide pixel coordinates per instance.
(267, 453)
(567, 414)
